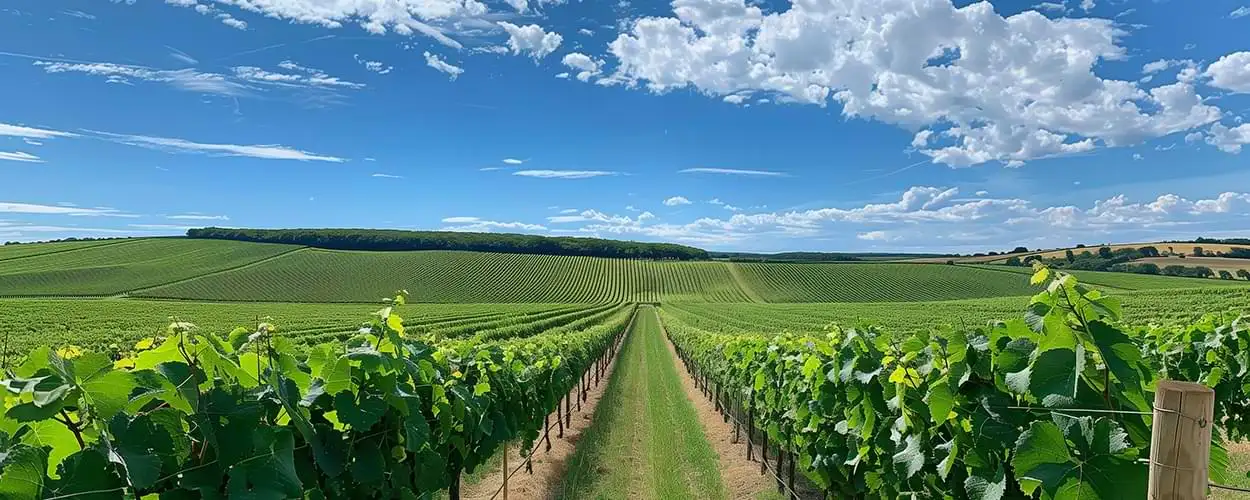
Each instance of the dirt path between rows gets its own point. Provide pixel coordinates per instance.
(549, 465)
(741, 476)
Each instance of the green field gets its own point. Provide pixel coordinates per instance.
(107, 269)
(219, 270)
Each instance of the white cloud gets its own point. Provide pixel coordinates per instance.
(31, 132)
(305, 77)
(676, 200)
(531, 40)
(436, 62)
(387, 176)
(19, 156)
(1055, 7)
(378, 67)
(1162, 64)
(230, 21)
(1228, 140)
(587, 66)
(1087, 5)
(482, 225)
(243, 81)
(181, 56)
(586, 32)
(32, 208)
(195, 216)
(915, 65)
(562, 75)
(30, 142)
(563, 174)
(983, 193)
(513, 161)
(79, 14)
(172, 145)
(1230, 72)
(1242, 11)
(570, 211)
(732, 171)
(1138, 156)
(876, 236)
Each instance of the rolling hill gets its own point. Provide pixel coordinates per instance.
(220, 270)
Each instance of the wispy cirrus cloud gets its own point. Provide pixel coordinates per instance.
(564, 174)
(733, 171)
(386, 176)
(513, 161)
(173, 145)
(20, 156)
(13, 207)
(196, 216)
(242, 81)
(462, 223)
(32, 132)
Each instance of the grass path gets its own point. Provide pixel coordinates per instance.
(646, 441)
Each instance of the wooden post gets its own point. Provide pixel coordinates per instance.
(1181, 441)
(505, 471)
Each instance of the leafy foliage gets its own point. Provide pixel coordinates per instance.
(984, 413)
(384, 414)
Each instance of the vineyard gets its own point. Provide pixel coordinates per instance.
(855, 380)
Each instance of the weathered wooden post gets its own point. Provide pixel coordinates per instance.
(505, 471)
(1180, 447)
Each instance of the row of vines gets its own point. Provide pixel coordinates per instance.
(1054, 405)
(388, 413)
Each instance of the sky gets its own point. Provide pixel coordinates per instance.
(819, 125)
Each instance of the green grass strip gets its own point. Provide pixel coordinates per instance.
(646, 441)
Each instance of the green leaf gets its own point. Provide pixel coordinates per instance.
(271, 475)
(910, 459)
(54, 436)
(360, 415)
(481, 388)
(22, 472)
(105, 389)
(1042, 457)
(941, 400)
(1055, 374)
(86, 471)
(990, 487)
(337, 376)
(1040, 276)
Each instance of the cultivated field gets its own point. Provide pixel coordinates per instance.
(488, 355)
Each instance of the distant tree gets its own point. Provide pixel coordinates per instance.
(1014, 261)
(1105, 252)
(1198, 252)
(1028, 261)
(978, 254)
(1243, 273)
(950, 262)
(1080, 245)
(1067, 254)
(1203, 272)
(1225, 275)
(1020, 250)
(1149, 251)
(1174, 270)
(992, 253)
(1147, 268)
(1238, 253)
(1171, 251)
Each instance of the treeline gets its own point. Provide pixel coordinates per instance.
(1121, 260)
(396, 240)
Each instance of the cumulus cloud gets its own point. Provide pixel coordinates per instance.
(587, 66)
(378, 67)
(1231, 72)
(1240, 12)
(436, 62)
(732, 171)
(1228, 140)
(676, 200)
(531, 40)
(563, 174)
(990, 88)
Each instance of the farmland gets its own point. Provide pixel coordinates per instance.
(484, 348)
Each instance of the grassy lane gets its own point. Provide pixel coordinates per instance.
(646, 441)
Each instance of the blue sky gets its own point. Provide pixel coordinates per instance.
(859, 125)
